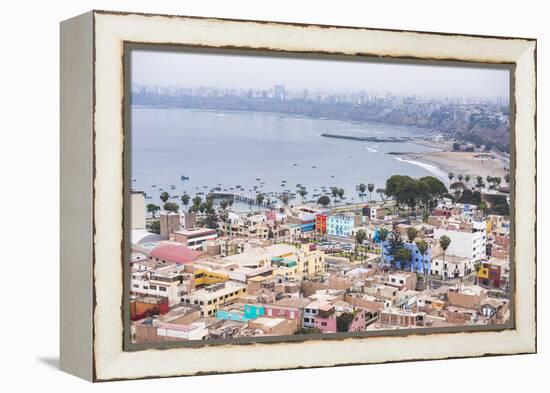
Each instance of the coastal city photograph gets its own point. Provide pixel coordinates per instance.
(282, 196)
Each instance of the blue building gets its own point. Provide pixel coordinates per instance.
(417, 263)
(251, 311)
(340, 225)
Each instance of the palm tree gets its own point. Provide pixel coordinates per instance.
(259, 200)
(422, 246)
(224, 203)
(451, 176)
(360, 237)
(152, 208)
(479, 183)
(362, 188)
(185, 200)
(164, 196)
(460, 177)
(302, 192)
(371, 189)
(334, 191)
(444, 242)
(507, 178)
(197, 201)
(467, 178)
(284, 198)
(411, 233)
(341, 192)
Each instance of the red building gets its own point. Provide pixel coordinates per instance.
(321, 223)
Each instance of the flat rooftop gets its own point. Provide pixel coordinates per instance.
(194, 232)
(255, 254)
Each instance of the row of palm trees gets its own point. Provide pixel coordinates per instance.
(197, 204)
(337, 194)
(495, 181)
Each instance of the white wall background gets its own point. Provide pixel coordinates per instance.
(29, 191)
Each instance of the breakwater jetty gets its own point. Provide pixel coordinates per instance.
(367, 138)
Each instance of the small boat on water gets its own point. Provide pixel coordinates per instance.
(314, 167)
(183, 177)
(295, 164)
(153, 185)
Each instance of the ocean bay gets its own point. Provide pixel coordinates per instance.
(228, 149)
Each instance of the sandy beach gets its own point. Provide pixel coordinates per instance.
(471, 163)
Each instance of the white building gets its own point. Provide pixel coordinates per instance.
(465, 244)
(194, 238)
(451, 267)
(169, 281)
(194, 331)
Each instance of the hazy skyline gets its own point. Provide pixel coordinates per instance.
(263, 72)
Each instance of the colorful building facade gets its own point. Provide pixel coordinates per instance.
(321, 224)
(340, 225)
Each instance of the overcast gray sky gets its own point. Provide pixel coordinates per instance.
(261, 72)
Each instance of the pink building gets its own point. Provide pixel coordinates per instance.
(275, 310)
(325, 320)
(359, 322)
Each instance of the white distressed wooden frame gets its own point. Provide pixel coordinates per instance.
(92, 195)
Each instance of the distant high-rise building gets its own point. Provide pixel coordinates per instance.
(279, 92)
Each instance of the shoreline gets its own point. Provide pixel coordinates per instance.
(465, 163)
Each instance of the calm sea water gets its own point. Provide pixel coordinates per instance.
(226, 149)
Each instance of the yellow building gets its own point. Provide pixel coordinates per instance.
(214, 296)
(208, 277)
(310, 262)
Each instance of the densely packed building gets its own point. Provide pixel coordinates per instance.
(302, 270)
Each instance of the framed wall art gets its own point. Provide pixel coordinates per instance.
(245, 195)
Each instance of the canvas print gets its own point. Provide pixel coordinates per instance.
(276, 196)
